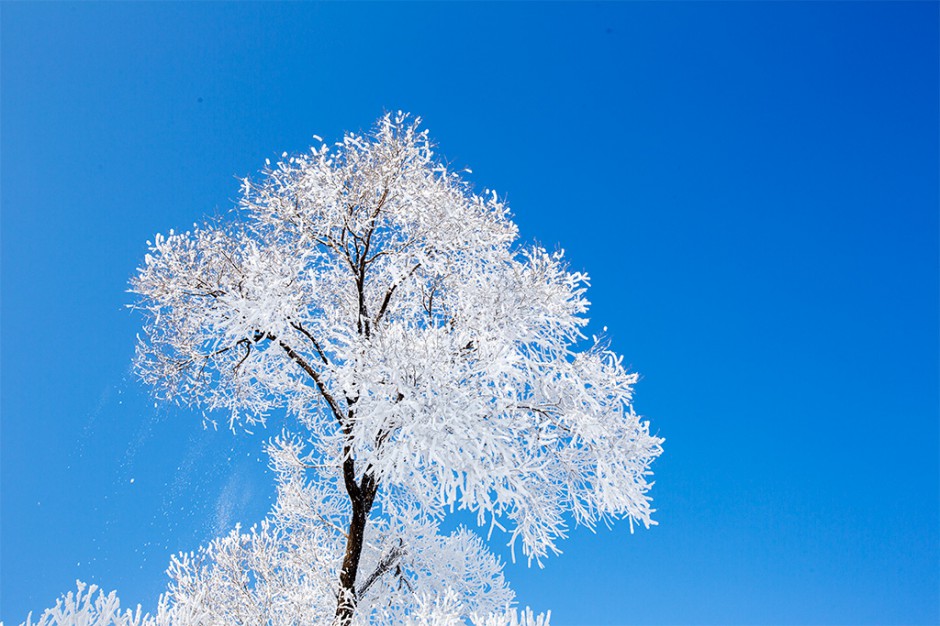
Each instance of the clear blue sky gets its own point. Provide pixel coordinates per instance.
(752, 186)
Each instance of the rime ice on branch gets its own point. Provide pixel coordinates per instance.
(436, 361)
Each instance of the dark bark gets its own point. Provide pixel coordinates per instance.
(362, 495)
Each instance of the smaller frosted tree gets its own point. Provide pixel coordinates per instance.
(282, 572)
(434, 361)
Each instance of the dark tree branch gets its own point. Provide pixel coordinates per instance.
(316, 345)
(299, 360)
(339, 248)
(391, 290)
(349, 463)
(375, 214)
(385, 565)
(247, 345)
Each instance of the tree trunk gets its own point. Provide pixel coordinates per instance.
(362, 497)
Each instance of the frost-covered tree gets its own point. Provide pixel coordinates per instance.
(433, 361)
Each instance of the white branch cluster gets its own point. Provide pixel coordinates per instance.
(284, 571)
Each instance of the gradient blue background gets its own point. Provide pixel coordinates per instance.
(753, 188)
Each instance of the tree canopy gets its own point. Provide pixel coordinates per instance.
(431, 362)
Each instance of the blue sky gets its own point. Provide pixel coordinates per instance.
(752, 186)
